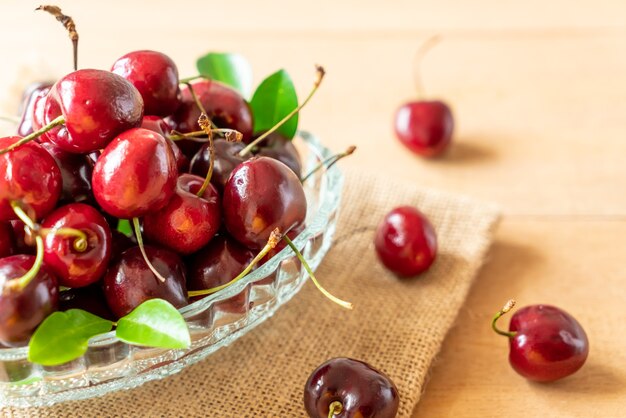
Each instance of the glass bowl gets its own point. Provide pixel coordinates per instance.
(214, 322)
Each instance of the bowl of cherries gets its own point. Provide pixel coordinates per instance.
(147, 220)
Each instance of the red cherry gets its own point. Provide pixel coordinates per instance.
(188, 222)
(135, 174)
(425, 127)
(22, 310)
(28, 175)
(352, 388)
(90, 299)
(261, 195)
(97, 106)
(129, 282)
(158, 125)
(76, 171)
(282, 149)
(155, 75)
(406, 242)
(32, 112)
(77, 265)
(226, 159)
(24, 241)
(546, 343)
(7, 240)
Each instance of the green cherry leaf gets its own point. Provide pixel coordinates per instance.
(63, 336)
(154, 323)
(230, 69)
(274, 99)
(124, 227)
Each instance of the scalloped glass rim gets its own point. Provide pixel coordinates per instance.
(321, 218)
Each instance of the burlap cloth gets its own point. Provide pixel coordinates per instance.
(397, 326)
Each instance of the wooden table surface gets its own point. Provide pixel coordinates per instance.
(538, 90)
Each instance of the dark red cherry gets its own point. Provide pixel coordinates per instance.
(90, 299)
(135, 174)
(158, 125)
(188, 221)
(97, 106)
(262, 194)
(7, 240)
(32, 103)
(129, 282)
(352, 388)
(155, 75)
(549, 344)
(282, 149)
(226, 159)
(224, 105)
(24, 239)
(121, 243)
(76, 171)
(406, 242)
(22, 310)
(28, 175)
(425, 127)
(73, 265)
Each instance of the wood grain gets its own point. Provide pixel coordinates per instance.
(539, 94)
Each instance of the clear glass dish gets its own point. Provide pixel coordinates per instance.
(214, 322)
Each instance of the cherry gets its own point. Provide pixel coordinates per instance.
(96, 106)
(546, 343)
(406, 242)
(223, 105)
(158, 125)
(135, 174)
(129, 282)
(425, 127)
(188, 221)
(226, 159)
(31, 104)
(120, 243)
(282, 149)
(28, 175)
(155, 75)
(344, 387)
(76, 171)
(24, 241)
(7, 240)
(90, 299)
(77, 261)
(261, 195)
(23, 309)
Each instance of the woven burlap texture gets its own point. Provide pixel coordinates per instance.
(397, 326)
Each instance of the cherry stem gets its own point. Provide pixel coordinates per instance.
(308, 269)
(231, 135)
(332, 160)
(143, 250)
(188, 80)
(272, 242)
(81, 242)
(417, 63)
(319, 76)
(507, 307)
(68, 23)
(205, 124)
(199, 103)
(56, 122)
(334, 408)
(21, 282)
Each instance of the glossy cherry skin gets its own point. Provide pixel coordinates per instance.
(7, 240)
(21, 311)
(32, 103)
(262, 194)
(129, 282)
(425, 127)
(28, 175)
(363, 391)
(282, 149)
(224, 105)
(155, 75)
(97, 106)
(549, 343)
(158, 125)
(226, 159)
(188, 222)
(90, 299)
(406, 242)
(76, 268)
(135, 174)
(76, 171)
